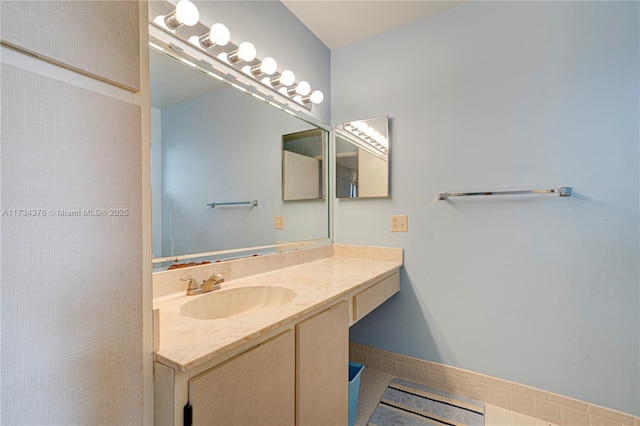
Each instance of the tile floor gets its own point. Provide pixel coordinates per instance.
(374, 382)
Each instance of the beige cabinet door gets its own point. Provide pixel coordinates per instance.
(253, 388)
(322, 368)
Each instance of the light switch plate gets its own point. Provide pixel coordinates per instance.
(399, 223)
(278, 222)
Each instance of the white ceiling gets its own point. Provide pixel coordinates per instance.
(338, 23)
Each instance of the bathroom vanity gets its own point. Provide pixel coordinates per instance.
(277, 353)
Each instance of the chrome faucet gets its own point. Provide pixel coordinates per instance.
(212, 283)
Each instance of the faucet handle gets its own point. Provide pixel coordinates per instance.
(192, 283)
(213, 282)
(218, 277)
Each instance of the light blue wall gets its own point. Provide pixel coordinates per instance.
(276, 32)
(540, 290)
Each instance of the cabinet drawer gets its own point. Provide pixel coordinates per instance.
(369, 299)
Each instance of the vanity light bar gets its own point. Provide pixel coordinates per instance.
(207, 68)
(363, 131)
(214, 43)
(185, 13)
(361, 143)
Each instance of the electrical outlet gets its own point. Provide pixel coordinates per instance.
(399, 223)
(278, 222)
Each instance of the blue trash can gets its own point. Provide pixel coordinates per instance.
(355, 368)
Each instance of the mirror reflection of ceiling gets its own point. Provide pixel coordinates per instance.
(169, 85)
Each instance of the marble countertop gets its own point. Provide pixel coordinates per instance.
(186, 343)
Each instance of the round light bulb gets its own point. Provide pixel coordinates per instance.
(316, 97)
(268, 65)
(187, 13)
(303, 88)
(287, 78)
(246, 51)
(283, 90)
(220, 34)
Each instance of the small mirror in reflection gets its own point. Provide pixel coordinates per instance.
(302, 165)
(362, 158)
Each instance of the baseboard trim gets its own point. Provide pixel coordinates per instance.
(548, 406)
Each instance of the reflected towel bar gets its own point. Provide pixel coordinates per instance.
(563, 191)
(252, 203)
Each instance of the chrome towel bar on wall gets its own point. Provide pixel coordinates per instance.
(251, 203)
(563, 191)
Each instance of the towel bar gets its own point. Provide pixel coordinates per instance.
(563, 191)
(252, 203)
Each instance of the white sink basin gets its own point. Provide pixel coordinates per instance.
(235, 302)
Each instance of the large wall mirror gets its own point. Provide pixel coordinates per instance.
(215, 144)
(362, 158)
